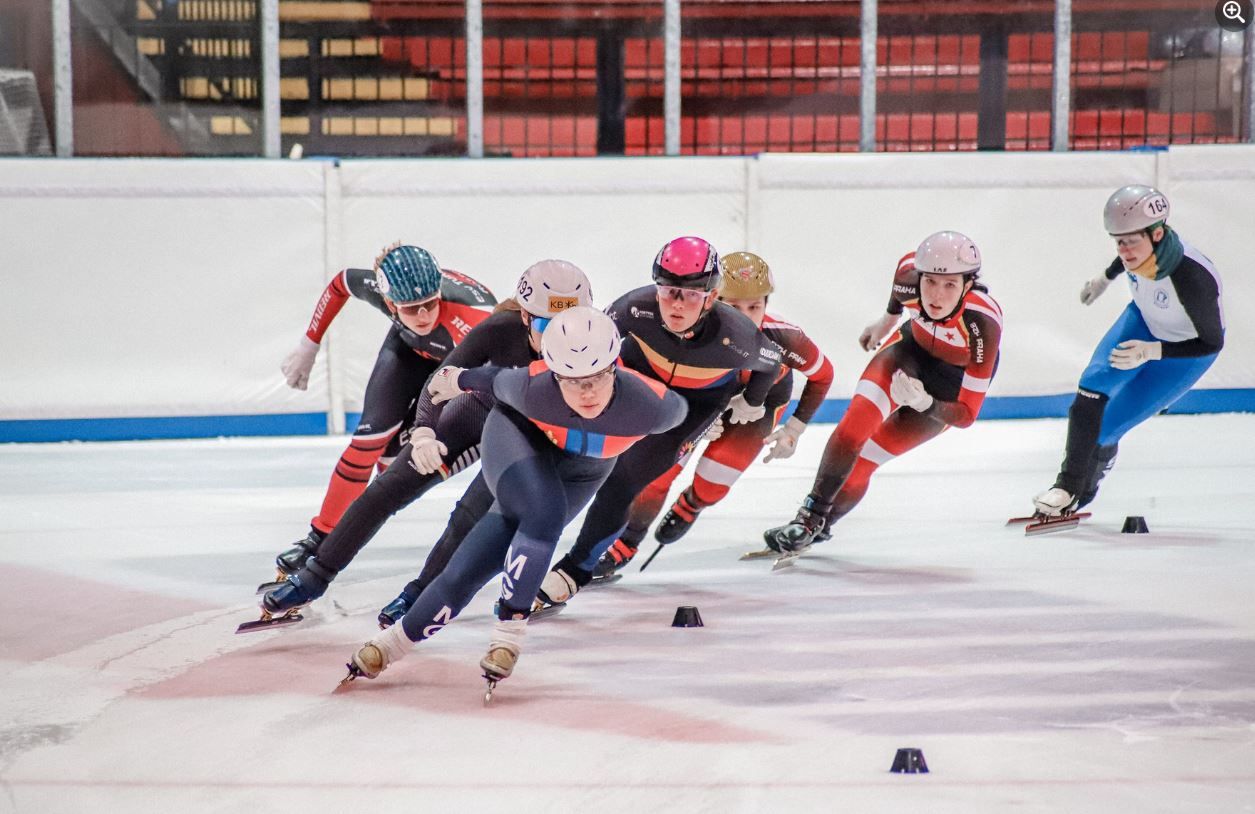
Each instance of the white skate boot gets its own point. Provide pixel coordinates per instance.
(503, 652)
(373, 658)
(1054, 502)
(556, 588)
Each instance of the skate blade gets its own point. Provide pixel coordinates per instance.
(492, 685)
(1052, 526)
(785, 561)
(760, 555)
(546, 611)
(601, 582)
(1037, 518)
(267, 621)
(348, 679)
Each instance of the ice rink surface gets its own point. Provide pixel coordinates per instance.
(1083, 671)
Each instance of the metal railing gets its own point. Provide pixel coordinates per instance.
(657, 77)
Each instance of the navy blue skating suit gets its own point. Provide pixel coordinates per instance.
(543, 463)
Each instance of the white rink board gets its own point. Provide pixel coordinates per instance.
(179, 286)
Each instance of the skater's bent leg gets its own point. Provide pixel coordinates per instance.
(392, 491)
(1158, 385)
(475, 562)
(472, 506)
(905, 430)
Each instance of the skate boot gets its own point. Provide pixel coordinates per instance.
(797, 536)
(281, 605)
(292, 560)
(1054, 502)
(300, 588)
(1102, 462)
(373, 658)
(394, 610)
(615, 558)
(678, 519)
(503, 652)
(556, 588)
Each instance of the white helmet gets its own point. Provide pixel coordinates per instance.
(947, 253)
(1134, 208)
(580, 341)
(551, 286)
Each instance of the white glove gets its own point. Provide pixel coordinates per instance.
(714, 431)
(784, 440)
(444, 384)
(425, 451)
(742, 412)
(299, 363)
(1093, 289)
(1134, 353)
(873, 334)
(909, 391)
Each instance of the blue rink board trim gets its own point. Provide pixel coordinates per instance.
(213, 426)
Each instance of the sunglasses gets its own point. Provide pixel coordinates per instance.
(691, 296)
(539, 324)
(414, 308)
(583, 383)
(1130, 241)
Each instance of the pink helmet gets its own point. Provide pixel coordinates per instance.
(687, 262)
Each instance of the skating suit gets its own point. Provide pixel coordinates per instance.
(404, 363)
(1183, 311)
(955, 359)
(725, 458)
(543, 463)
(704, 367)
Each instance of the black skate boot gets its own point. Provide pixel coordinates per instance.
(394, 610)
(615, 558)
(292, 560)
(1102, 462)
(300, 588)
(282, 604)
(678, 519)
(797, 536)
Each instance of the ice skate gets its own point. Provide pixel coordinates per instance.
(281, 606)
(1054, 510)
(393, 611)
(612, 562)
(503, 653)
(373, 658)
(678, 519)
(798, 535)
(555, 590)
(294, 558)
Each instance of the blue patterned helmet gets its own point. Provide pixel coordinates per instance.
(407, 274)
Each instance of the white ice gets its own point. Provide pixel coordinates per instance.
(1083, 671)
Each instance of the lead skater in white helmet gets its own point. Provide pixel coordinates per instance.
(1162, 343)
(550, 441)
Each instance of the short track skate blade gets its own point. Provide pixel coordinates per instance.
(546, 612)
(1053, 526)
(492, 685)
(760, 555)
(1037, 518)
(601, 582)
(270, 622)
(348, 679)
(786, 561)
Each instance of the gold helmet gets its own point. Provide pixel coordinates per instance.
(744, 276)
